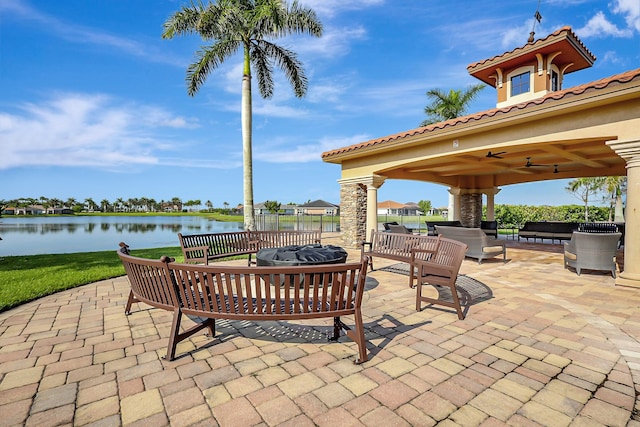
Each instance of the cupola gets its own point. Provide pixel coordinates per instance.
(535, 69)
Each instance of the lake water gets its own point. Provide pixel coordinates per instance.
(45, 235)
(54, 235)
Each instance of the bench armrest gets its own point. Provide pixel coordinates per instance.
(429, 253)
(205, 254)
(488, 241)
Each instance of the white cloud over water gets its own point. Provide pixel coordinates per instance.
(85, 130)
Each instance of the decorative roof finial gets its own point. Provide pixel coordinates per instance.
(538, 18)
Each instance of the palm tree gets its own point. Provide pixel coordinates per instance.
(584, 188)
(615, 187)
(176, 204)
(250, 25)
(90, 204)
(447, 106)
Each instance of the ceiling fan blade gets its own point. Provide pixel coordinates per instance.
(497, 155)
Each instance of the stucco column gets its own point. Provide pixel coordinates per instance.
(373, 183)
(491, 210)
(454, 203)
(451, 206)
(630, 152)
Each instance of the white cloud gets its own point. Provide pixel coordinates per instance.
(610, 57)
(333, 7)
(80, 34)
(335, 42)
(281, 152)
(328, 91)
(631, 10)
(85, 130)
(518, 36)
(600, 26)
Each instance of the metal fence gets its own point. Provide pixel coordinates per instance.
(324, 223)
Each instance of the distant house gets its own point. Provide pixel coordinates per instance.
(60, 211)
(259, 209)
(318, 207)
(389, 207)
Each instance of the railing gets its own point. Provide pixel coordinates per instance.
(324, 223)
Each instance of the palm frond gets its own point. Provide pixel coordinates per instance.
(208, 59)
(184, 21)
(263, 67)
(287, 61)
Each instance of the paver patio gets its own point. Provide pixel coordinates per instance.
(550, 348)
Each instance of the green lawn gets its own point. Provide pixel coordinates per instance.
(25, 278)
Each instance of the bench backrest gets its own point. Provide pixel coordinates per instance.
(399, 245)
(279, 238)
(218, 243)
(260, 293)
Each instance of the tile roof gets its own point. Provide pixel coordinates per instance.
(318, 204)
(566, 29)
(625, 77)
(390, 204)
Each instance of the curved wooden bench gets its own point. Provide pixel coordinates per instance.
(202, 248)
(248, 293)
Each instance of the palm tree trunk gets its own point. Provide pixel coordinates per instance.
(249, 220)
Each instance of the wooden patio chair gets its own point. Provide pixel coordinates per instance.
(439, 268)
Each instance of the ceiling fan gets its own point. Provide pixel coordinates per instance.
(530, 163)
(555, 170)
(497, 155)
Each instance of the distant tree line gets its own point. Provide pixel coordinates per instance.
(142, 204)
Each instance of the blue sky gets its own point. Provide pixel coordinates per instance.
(93, 101)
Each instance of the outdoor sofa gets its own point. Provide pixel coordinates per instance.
(547, 230)
(480, 246)
(490, 228)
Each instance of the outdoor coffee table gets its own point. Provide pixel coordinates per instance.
(301, 255)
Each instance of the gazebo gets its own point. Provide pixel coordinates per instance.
(538, 131)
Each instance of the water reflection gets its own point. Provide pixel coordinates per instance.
(39, 235)
(42, 234)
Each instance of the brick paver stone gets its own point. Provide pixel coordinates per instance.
(333, 394)
(21, 377)
(396, 367)
(496, 404)
(544, 415)
(278, 410)
(236, 412)
(55, 397)
(605, 413)
(97, 411)
(298, 385)
(140, 406)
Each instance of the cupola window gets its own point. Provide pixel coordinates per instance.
(520, 83)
